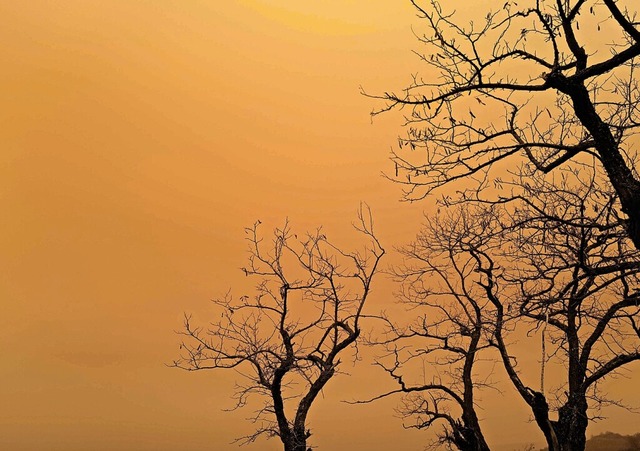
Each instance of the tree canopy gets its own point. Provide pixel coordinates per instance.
(548, 81)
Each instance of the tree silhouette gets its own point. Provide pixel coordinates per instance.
(553, 260)
(433, 358)
(286, 340)
(552, 81)
(577, 276)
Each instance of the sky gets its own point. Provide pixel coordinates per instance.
(139, 138)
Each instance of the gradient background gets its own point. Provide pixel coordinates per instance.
(138, 139)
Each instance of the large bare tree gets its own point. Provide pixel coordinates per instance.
(577, 279)
(554, 260)
(286, 339)
(547, 80)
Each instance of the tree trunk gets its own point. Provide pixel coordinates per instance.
(468, 438)
(620, 175)
(295, 443)
(571, 426)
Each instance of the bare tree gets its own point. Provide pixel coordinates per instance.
(549, 80)
(286, 340)
(555, 261)
(433, 359)
(578, 279)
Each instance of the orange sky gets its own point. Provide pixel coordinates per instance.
(139, 138)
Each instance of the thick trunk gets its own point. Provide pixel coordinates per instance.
(572, 424)
(620, 174)
(569, 432)
(467, 435)
(468, 438)
(540, 409)
(536, 400)
(296, 443)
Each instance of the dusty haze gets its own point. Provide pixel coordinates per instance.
(139, 138)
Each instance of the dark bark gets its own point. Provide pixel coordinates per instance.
(595, 110)
(571, 427)
(619, 173)
(296, 442)
(467, 435)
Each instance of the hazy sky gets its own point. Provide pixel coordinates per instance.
(139, 138)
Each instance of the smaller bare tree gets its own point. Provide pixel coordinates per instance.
(286, 339)
(433, 359)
